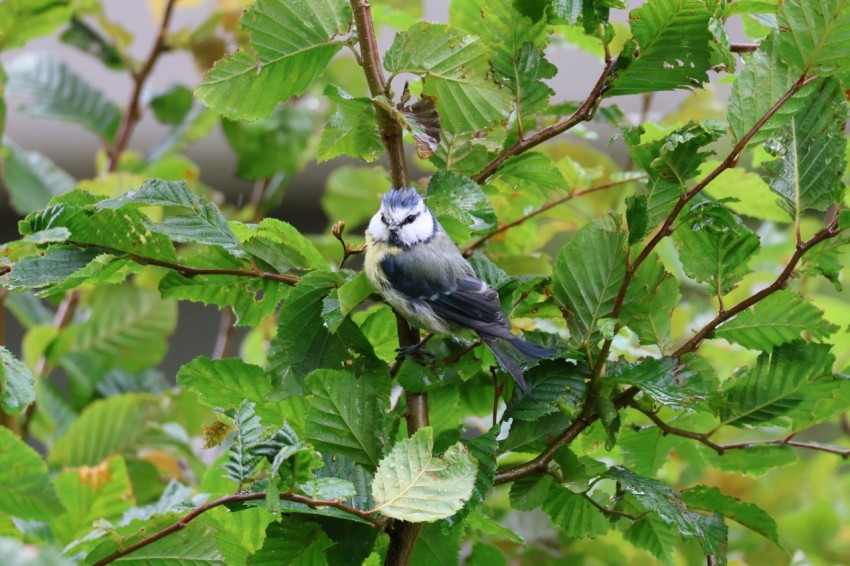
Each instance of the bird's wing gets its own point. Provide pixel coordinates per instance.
(454, 294)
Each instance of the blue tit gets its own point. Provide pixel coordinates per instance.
(419, 271)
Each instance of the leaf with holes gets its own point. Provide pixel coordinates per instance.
(17, 384)
(816, 35)
(667, 380)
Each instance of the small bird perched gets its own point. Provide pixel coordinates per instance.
(417, 268)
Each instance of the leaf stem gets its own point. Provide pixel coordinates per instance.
(548, 206)
(228, 499)
(133, 112)
(586, 111)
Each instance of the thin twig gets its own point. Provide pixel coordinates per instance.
(548, 206)
(586, 111)
(744, 47)
(228, 499)
(612, 512)
(133, 112)
(224, 337)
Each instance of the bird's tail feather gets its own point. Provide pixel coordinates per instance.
(508, 363)
(530, 351)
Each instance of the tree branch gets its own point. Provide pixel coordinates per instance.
(583, 113)
(227, 499)
(780, 282)
(133, 112)
(744, 47)
(548, 206)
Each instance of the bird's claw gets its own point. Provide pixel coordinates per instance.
(414, 350)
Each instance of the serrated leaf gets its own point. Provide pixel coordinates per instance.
(31, 178)
(460, 205)
(293, 542)
(56, 265)
(346, 416)
(352, 130)
(588, 274)
(780, 318)
(60, 94)
(574, 514)
(667, 380)
(455, 69)
(225, 383)
(17, 384)
(483, 449)
(744, 192)
(715, 246)
(529, 171)
(530, 492)
(279, 244)
(105, 427)
(763, 81)
(100, 492)
(649, 302)
(552, 384)
(811, 152)
(815, 35)
(242, 459)
(751, 516)
(653, 535)
(672, 50)
(25, 488)
(783, 382)
(412, 484)
(292, 43)
(199, 220)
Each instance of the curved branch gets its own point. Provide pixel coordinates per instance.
(548, 206)
(583, 113)
(237, 498)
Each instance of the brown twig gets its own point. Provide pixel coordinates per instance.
(612, 512)
(548, 206)
(225, 334)
(133, 112)
(744, 47)
(780, 282)
(586, 111)
(228, 499)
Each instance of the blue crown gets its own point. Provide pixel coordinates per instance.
(401, 198)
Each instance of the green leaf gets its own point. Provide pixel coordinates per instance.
(31, 178)
(55, 266)
(483, 449)
(352, 130)
(199, 220)
(437, 544)
(649, 302)
(811, 152)
(23, 20)
(272, 145)
(17, 384)
(87, 39)
(588, 273)
(637, 218)
(715, 246)
(242, 459)
(529, 171)
(225, 383)
(60, 94)
(670, 162)
(667, 380)
(780, 318)
(455, 70)
(815, 35)
(279, 244)
(128, 324)
(354, 193)
(552, 384)
(653, 535)
(412, 484)
(763, 81)
(753, 461)
(292, 43)
(657, 497)
(172, 104)
(105, 427)
(785, 382)
(346, 416)
(751, 516)
(744, 192)
(645, 450)
(460, 205)
(99, 493)
(293, 542)
(574, 514)
(672, 50)
(25, 488)
(530, 492)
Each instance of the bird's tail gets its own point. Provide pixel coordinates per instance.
(526, 350)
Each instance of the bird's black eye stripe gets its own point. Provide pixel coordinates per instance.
(410, 218)
(384, 219)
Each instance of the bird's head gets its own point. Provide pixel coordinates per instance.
(403, 220)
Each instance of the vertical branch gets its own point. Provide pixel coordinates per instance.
(7, 420)
(133, 112)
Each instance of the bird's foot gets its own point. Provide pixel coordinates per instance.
(414, 350)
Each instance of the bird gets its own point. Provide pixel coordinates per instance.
(416, 267)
